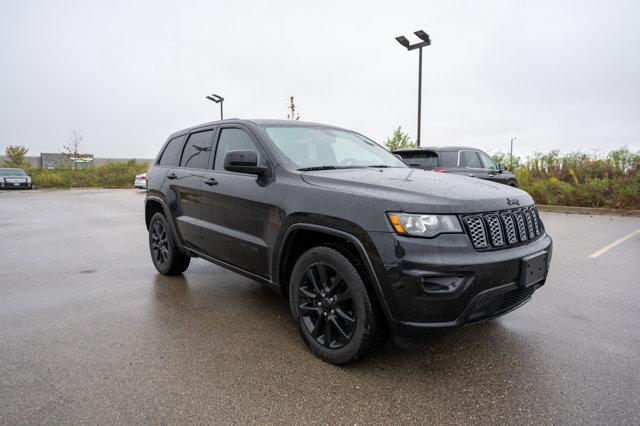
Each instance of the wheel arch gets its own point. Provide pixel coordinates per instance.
(301, 236)
(153, 205)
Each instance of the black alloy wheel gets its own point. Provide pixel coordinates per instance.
(334, 306)
(159, 244)
(166, 255)
(326, 306)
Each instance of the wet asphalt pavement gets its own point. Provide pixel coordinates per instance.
(90, 333)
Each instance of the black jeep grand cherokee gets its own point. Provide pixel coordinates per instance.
(360, 243)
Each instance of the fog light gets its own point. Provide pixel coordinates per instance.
(441, 284)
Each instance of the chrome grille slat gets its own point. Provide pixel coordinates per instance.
(529, 221)
(503, 228)
(509, 227)
(495, 230)
(534, 216)
(522, 230)
(477, 231)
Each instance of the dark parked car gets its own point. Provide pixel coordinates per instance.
(14, 178)
(360, 243)
(459, 160)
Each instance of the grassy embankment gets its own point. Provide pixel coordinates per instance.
(579, 179)
(115, 175)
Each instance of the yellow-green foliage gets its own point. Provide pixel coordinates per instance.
(579, 179)
(114, 175)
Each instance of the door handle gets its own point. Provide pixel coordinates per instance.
(490, 175)
(211, 181)
(472, 174)
(172, 176)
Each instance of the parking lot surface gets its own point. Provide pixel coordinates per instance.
(90, 333)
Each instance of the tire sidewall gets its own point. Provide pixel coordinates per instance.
(360, 298)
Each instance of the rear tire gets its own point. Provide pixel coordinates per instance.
(336, 314)
(165, 254)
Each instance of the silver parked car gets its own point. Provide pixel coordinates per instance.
(14, 178)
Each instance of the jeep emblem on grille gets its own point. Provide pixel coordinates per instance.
(513, 202)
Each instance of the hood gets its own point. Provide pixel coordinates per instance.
(422, 191)
(14, 177)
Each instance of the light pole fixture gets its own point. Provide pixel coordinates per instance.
(217, 99)
(426, 41)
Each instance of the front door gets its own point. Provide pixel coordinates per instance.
(234, 208)
(492, 169)
(470, 165)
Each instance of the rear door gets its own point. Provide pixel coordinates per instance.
(182, 186)
(234, 208)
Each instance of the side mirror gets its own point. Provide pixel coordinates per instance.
(243, 162)
(501, 168)
(399, 157)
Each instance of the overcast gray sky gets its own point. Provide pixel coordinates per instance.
(555, 74)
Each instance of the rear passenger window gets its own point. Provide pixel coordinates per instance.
(196, 151)
(171, 154)
(470, 159)
(233, 140)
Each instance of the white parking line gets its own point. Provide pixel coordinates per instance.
(613, 244)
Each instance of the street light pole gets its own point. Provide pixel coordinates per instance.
(219, 100)
(511, 155)
(426, 41)
(419, 94)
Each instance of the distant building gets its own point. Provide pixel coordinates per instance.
(51, 160)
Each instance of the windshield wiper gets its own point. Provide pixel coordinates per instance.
(380, 166)
(309, 169)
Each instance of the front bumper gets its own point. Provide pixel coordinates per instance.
(487, 282)
(12, 185)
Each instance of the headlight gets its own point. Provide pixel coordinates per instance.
(424, 225)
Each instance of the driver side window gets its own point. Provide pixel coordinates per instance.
(233, 140)
(487, 162)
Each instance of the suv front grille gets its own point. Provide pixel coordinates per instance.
(504, 228)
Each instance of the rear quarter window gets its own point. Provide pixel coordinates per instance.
(448, 158)
(171, 154)
(422, 159)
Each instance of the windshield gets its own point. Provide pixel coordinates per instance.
(314, 148)
(11, 172)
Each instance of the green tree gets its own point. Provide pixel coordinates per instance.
(16, 157)
(399, 140)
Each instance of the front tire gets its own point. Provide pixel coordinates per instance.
(337, 316)
(165, 254)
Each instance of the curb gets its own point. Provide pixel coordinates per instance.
(587, 210)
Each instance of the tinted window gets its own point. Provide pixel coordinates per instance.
(448, 158)
(487, 162)
(470, 159)
(196, 151)
(233, 140)
(171, 155)
(422, 159)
